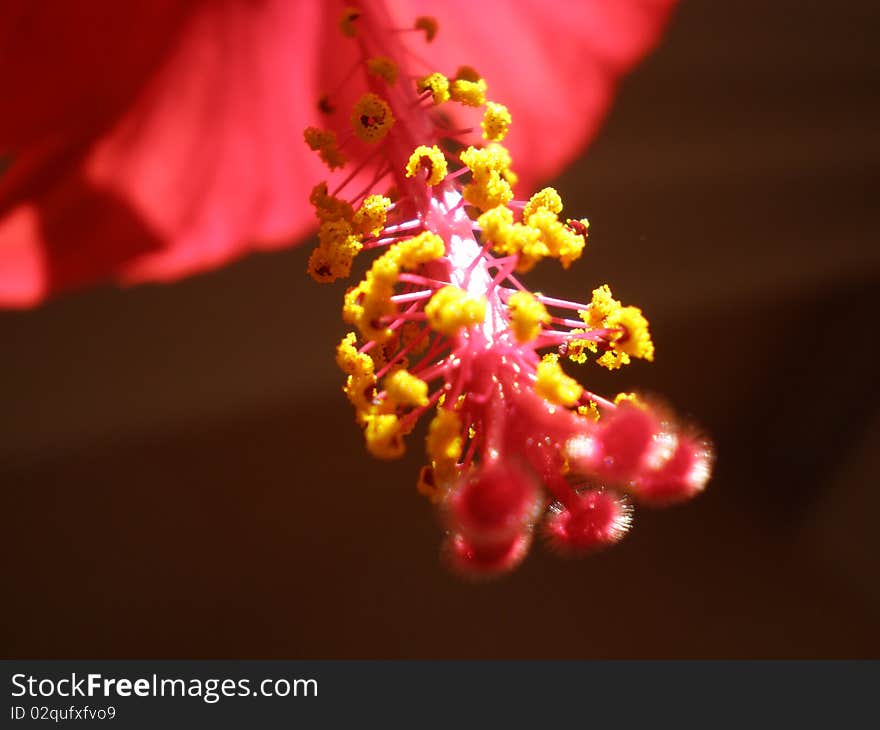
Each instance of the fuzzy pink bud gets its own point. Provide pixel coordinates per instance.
(595, 520)
(494, 504)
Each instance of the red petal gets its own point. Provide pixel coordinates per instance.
(183, 165)
(154, 139)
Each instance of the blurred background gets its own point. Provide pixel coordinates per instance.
(181, 476)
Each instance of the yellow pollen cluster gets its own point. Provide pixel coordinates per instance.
(468, 90)
(383, 435)
(591, 411)
(371, 118)
(328, 207)
(349, 360)
(527, 315)
(577, 348)
(324, 143)
(554, 385)
(541, 233)
(444, 445)
(490, 167)
(444, 442)
(338, 244)
(383, 430)
(405, 389)
(367, 303)
(431, 159)
(371, 216)
(437, 84)
(496, 122)
(451, 310)
(348, 21)
(427, 24)
(384, 68)
(629, 398)
(545, 199)
(360, 386)
(631, 337)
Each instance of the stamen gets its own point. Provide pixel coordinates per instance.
(445, 291)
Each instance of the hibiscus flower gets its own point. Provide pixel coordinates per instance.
(148, 140)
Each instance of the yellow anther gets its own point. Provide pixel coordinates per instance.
(489, 167)
(546, 199)
(451, 309)
(495, 224)
(561, 242)
(629, 398)
(371, 118)
(554, 385)
(493, 157)
(371, 216)
(496, 121)
(360, 389)
(327, 207)
(632, 339)
(444, 442)
(510, 238)
(469, 93)
(636, 338)
(427, 24)
(384, 68)
(421, 249)
(613, 359)
(577, 348)
(437, 84)
(320, 266)
(353, 303)
(405, 389)
(318, 139)
(338, 234)
(324, 143)
(383, 436)
(350, 361)
(488, 192)
(431, 159)
(602, 306)
(348, 21)
(591, 411)
(367, 304)
(527, 315)
(337, 247)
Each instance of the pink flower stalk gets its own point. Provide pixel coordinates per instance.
(442, 321)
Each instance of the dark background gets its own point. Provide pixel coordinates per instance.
(181, 476)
